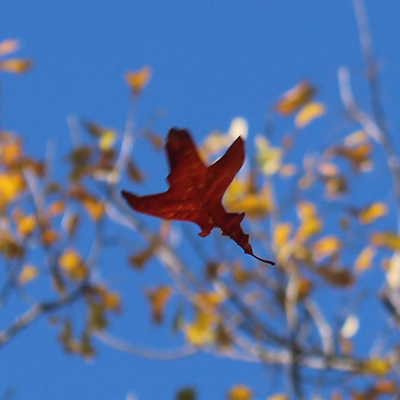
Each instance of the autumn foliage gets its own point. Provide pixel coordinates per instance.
(301, 208)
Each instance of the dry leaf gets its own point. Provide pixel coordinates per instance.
(15, 65)
(158, 299)
(393, 272)
(386, 239)
(138, 80)
(296, 97)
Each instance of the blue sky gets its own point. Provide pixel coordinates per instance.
(211, 61)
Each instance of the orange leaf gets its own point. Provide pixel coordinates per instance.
(308, 113)
(138, 80)
(196, 191)
(15, 65)
(296, 97)
(158, 299)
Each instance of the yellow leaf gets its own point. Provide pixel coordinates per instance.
(377, 366)
(296, 97)
(241, 196)
(201, 331)
(8, 46)
(310, 222)
(26, 225)
(28, 273)
(137, 80)
(112, 301)
(308, 113)
(107, 140)
(281, 234)
(386, 239)
(240, 392)
(158, 299)
(11, 185)
(15, 65)
(71, 262)
(326, 247)
(209, 300)
(364, 259)
(373, 212)
(269, 158)
(94, 208)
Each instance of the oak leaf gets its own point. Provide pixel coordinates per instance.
(196, 191)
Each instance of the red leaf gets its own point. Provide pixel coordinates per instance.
(196, 191)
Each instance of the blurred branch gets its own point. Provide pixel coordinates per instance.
(37, 310)
(155, 354)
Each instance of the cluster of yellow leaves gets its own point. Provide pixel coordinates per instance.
(13, 65)
(242, 195)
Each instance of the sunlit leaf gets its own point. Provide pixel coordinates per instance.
(8, 46)
(350, 326)
(209, 300)
(57, 207)
(311, 224)
(26, 224)
(94, 207)
(279, 396)
(308, 113)
(326, 247)
(12, 184)
(71, 262)
(158, 298)
(282, 233)
(371, 213)
(138, 80)
(393, 271)
(364, 260)
(268, 158)
(240, 392)
(377, 366)
(15, 65)
(296, 97)
(387, 239)
(28, 273)
(201, 332)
